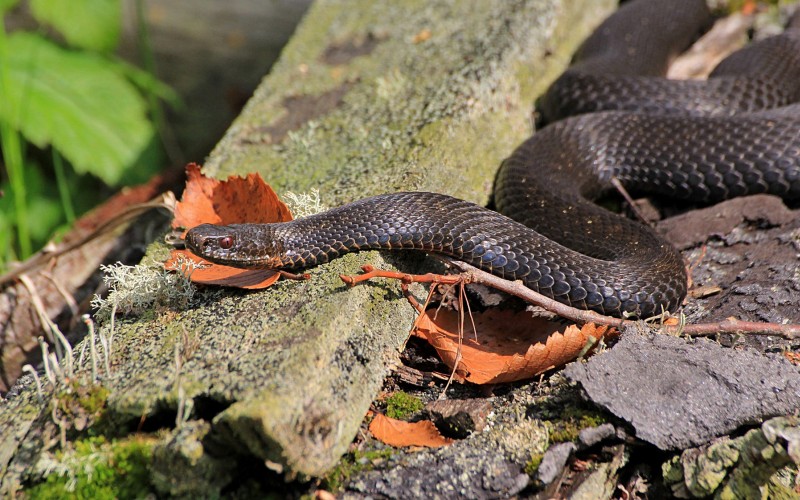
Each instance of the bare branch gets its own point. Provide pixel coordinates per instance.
(471, 274)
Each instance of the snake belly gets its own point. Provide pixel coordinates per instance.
(614, 117)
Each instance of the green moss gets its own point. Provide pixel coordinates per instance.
(532, 465)
(572, 420)
(98, 469)
(351, 464)
(80, 405)
(401, 405)
(89, 398)
(782, 484)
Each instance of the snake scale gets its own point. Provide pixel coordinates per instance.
(612, 115)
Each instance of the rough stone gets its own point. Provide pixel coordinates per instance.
(742, 467)
(463, 470)
(678, 393)
(593, 435)
(554, 461)
(459, 417)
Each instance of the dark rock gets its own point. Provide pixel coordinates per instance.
(592, 435)
(678, 393)
(554, 461)
(459, 417)
(695, 227)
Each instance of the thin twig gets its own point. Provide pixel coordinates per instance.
(728, 325)
(461, 296)
(42, 257)
(631, 203)
(471, 274)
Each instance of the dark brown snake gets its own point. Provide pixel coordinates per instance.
(737, 133)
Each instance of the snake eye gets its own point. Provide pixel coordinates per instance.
(226, 242)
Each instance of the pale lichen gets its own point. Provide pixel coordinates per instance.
(134, 289)
(304, 204)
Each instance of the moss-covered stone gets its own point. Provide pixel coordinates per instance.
(532, 465)
(80, 405)
(181, 467)
(353, 463)
(98, 469)
(750, 466)
(571, 421)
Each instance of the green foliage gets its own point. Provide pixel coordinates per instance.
(91, 109)
(76, 101)
(89, 24)
(6, 5)
(98, 469)
(401, 405)
(43, 215)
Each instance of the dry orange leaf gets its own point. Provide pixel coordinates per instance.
(399, 433)
(510, 345)
(236, 200)
(207, 273)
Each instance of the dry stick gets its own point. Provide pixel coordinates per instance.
(69, 299)
(62, 345)
(457, 361)
(631, 203)
(471, 274)
(728, 325)
(461, 298)
(42, 257)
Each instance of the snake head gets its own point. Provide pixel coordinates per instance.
(250, 246)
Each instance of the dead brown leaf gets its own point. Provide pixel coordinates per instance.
(510, 345)
(399, 433)
(235, 200)
(207, 273)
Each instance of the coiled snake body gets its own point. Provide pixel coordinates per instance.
(736, 133)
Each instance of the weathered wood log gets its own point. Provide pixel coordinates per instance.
(213, 54)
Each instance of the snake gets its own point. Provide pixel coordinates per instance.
(612, 119)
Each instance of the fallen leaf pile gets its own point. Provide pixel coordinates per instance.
(236, 200)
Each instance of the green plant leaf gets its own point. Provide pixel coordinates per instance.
(147, 82)
(91, 24)
(6, 5)
(77, 102)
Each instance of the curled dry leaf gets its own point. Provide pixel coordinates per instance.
(510, 345)
(399, 433)
(236, 200)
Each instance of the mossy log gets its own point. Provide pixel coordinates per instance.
(368, 97)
